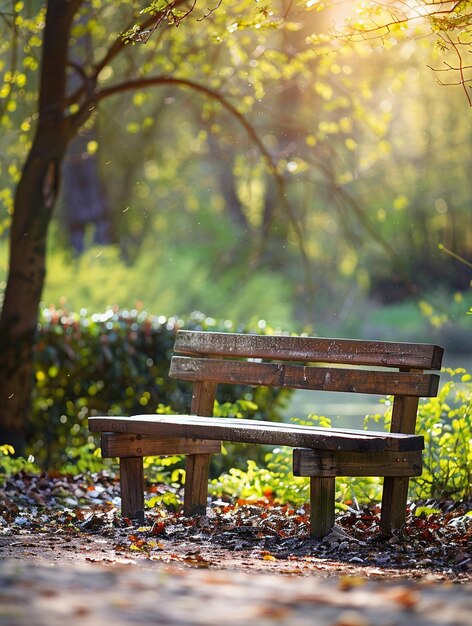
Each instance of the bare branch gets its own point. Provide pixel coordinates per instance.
(210, 11)
(447, 19)
(454, 255)
(461, 71)
(182, 17)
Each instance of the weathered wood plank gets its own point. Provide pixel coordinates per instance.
(304, 377)
(129, 445)
(310, 349)
(197, 466)
(394, 499)
(132, 488)
(404, 414)
(322, 494)
(395, 490)
(308, 462)
(257, 431)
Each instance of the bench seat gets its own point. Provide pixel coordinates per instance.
(258, 432)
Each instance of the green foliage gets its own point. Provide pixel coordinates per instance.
(169, 499)
(9, 464)
(446, 424)
(425, 511)
(84, 459)
(271, 482)
(186, 276)
(350, 131)
(116, 363)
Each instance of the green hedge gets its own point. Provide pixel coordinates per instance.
(115, 363)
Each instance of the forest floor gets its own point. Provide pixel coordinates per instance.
(66, 555)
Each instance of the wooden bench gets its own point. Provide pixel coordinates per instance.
(208, 359)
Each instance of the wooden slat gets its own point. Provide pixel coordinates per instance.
(308, 462)
(304, 377)
(129, 445)
(257, 431)
(310, 349)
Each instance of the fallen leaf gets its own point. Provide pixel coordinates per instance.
(346, 583)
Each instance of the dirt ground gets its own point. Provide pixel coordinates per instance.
(52, 550)
(48, 580)
(67, 557)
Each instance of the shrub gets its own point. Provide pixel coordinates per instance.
(445, 422)
(10, 464)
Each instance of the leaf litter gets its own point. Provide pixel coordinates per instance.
(83, 511)
(243, 563)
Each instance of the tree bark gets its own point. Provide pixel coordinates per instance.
(222, 163)
(85, 201)
(34, 202)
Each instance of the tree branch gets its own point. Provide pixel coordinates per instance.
(461, 71)
(447, 19)
(146, 24)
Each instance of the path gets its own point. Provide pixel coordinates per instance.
(67, 557)
(119, 594)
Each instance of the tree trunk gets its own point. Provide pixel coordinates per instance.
(34, 202)
(85, 201)
(222, 164)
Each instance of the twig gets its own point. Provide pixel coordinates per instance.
(454, 255)
(210, 11)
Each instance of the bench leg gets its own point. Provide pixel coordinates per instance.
(395, 490)
(394, 497)
(196, 484)
(132, 487)
(322, 493)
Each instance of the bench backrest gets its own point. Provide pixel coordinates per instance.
(356, 366)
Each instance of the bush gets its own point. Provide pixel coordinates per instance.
(115, 363)
(11, 464)
(445, 422)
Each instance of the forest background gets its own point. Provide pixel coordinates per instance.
(261, 164)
